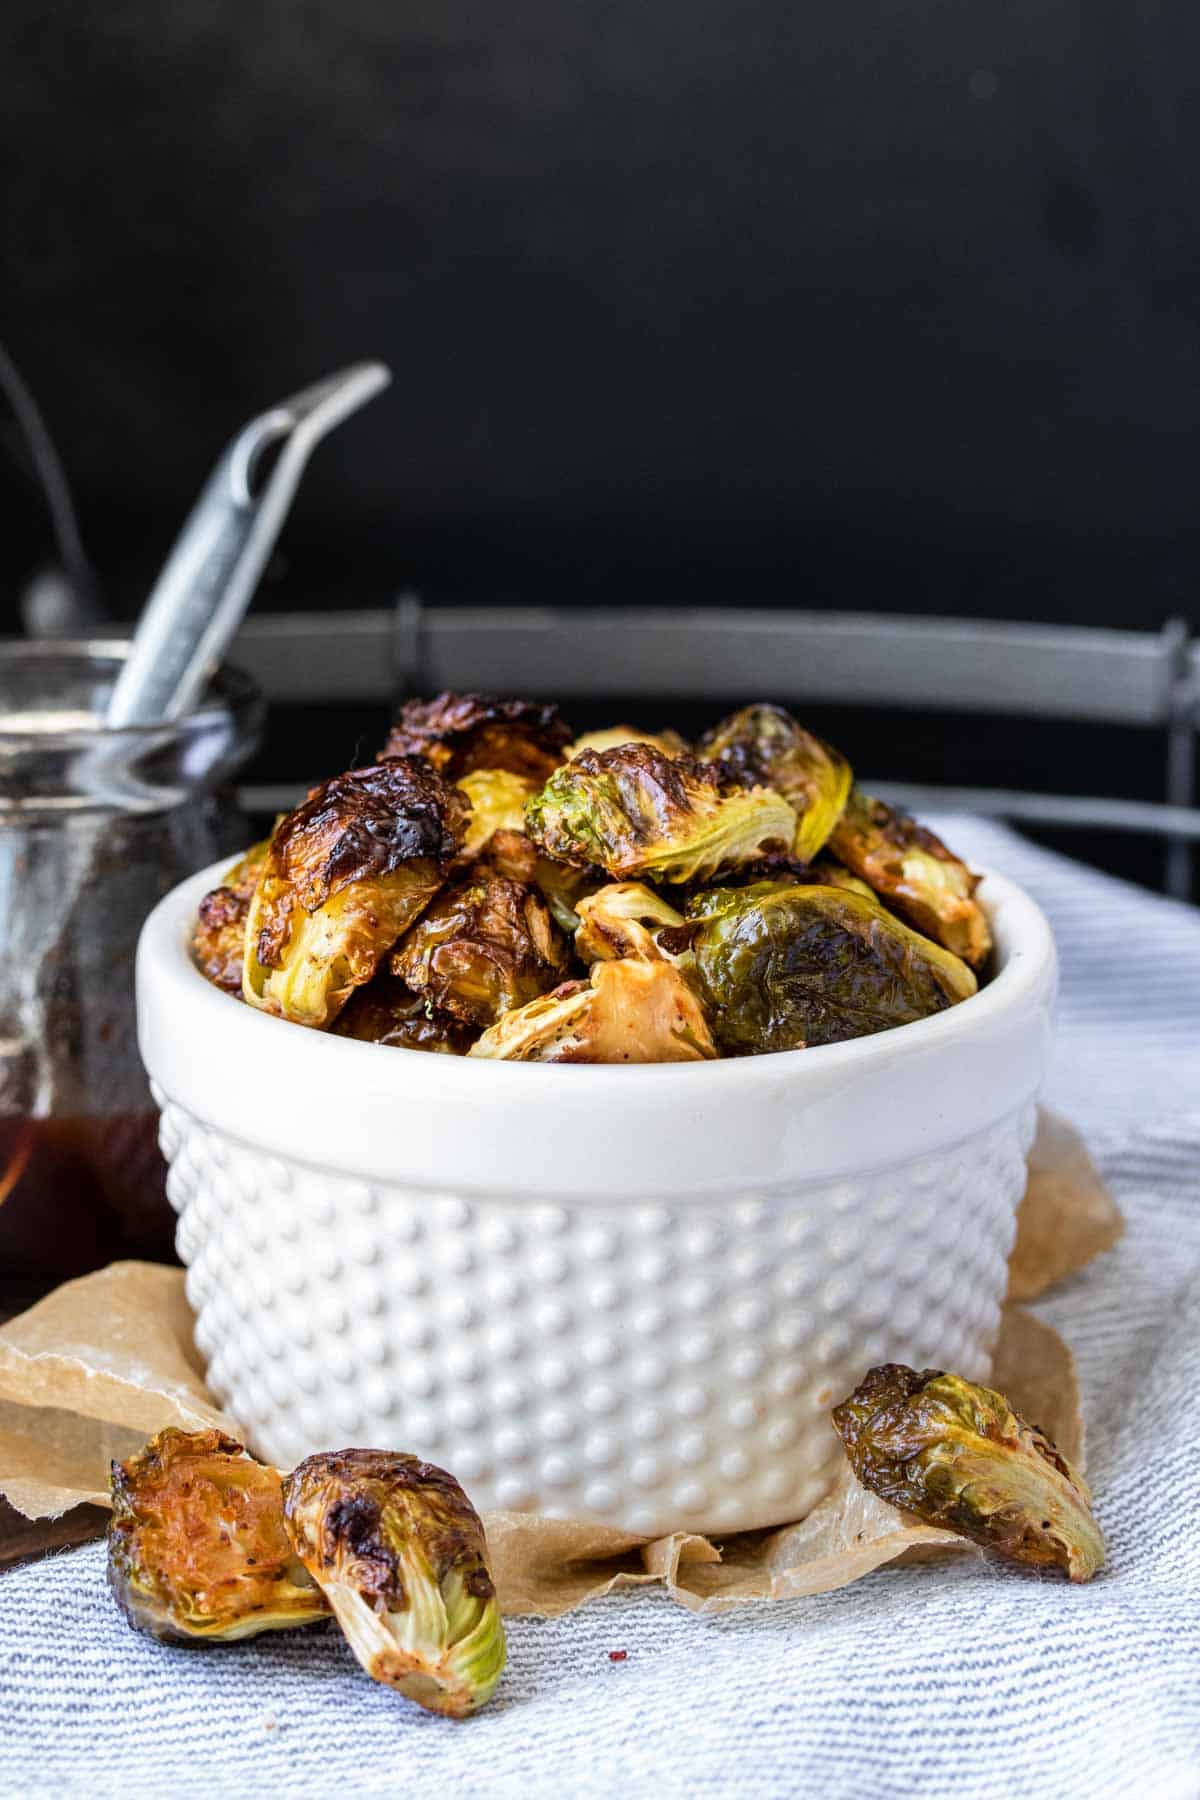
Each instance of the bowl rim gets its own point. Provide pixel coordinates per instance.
(378, 1114)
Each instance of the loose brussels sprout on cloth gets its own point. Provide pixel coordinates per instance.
(497, 799)
(219, 937)
(912, 870)
(197, 1549)
(629, 1012)
(612, 736)
(345, 875)
(623, 919)
(386, 1011)
(780, 967)
(400, 1553)
(481, 948)
(457, 733)
(959, 1457)
(636, 812)
(765, 745)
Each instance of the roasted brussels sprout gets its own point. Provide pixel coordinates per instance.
(482, 948)
(457, 733)
(629, 1012)
(388, 1012)
(669, 742)
(913, 871)
(623, 919)
(219, 938)
(513, 854)
(497, 799)
(344, 876)
(399, 1551)
(959, 1457)
(765, 745)
(780, 967)
(197, 1550)
(635, 811)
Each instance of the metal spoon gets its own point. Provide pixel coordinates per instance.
(207, 581)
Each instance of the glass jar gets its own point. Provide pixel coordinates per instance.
(95, 826)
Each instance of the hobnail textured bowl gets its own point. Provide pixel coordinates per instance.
(625, 1294)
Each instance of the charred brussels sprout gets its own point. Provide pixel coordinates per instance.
(219, 937)
(482, 948)
(344, 876)
(197, 1550)
(613, 736)
(635, 812)
(629, 1012)
(457, 733)
(912, 870)
(497, 799)
(959, 1457)
(388, 1012)
(623, 919)
(780, 967)
(399, 1551)
(765, 745)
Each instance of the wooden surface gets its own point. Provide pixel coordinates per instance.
(22, 1540)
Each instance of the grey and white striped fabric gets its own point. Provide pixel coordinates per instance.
(962, 1680)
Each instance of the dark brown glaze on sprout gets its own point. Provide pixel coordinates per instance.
(386, 1011)
(481, 948)
(363, 824)
(456, 733)
(354, 1514)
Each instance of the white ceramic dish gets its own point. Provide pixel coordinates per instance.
(621, 1293)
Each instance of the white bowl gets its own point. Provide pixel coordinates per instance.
(620, 1293)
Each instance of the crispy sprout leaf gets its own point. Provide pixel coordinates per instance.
(388, 1012)
(457, 733)
(636, 812)
(197, 1550)
(481, 948)
(399, 1551)
(219, 936)
(959, 1457)
(765, 745)
(629, 1012)
(623, 919)
(345, 875)
(913, 871)
(780, 967)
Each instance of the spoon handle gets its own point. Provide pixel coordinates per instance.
(206, 584)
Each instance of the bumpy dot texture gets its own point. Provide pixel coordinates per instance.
(654, 1365)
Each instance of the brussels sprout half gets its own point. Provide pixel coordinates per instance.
(197, 1550)
(764, 744)
(636, 812)
(913, 871)
(780, 967)
(497, 798)
(959, 1457)
(629, 1012)
(612, 736)
(219, 935)
(386, 1011)
(400, 1553)
(456, 733)
(345, 875)
(481, 948)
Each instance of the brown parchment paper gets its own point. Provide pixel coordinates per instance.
(104, 1362)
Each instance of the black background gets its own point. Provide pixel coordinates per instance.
(877, 306)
